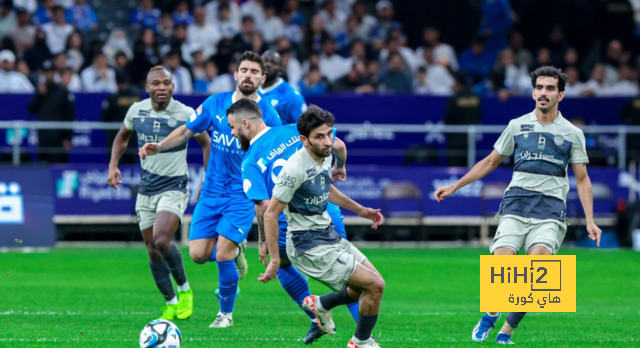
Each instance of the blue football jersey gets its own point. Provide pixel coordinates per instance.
(286, 100)
(223, 171)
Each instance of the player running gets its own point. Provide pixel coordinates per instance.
(163, 194)
(532, 212)
(303, 189)
(224, 215)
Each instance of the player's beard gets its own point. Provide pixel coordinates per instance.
(247, 90)
(318, 150)
(244, 142)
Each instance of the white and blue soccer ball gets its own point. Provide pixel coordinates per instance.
(161, 334)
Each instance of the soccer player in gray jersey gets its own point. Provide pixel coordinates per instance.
(303, 189)
(532, 212)
(163, 194)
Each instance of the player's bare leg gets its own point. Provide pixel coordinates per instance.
(367, 286)
(201, 250)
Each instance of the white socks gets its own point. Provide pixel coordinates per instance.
(173, 301)
(184, 287)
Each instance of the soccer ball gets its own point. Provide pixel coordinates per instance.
(162, 334)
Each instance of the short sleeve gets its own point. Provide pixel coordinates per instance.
(504, 144)
(288, 182)
(254, 183)
(200, 120)
(578, 150)
(128, 119)
(270, 116)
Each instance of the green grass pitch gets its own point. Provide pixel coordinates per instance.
(103, 297)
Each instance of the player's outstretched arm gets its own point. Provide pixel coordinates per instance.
(339, 171)
(583, 183)
(479, 171)
(340, 199)
(274, 210)
(263, 249)
(178, 137)
(120, 144)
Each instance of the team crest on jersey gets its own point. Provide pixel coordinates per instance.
(527, 127)
(172, 122)
(558, 140)
(274, 102)
(246, 185)
(311, 172)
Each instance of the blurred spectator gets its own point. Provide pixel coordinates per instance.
(181, 15)
(292, 30)
(145, 56)
(214, 11)
(543, 58)
(396, 79)
(345, 38)
(312, 83)
(570, 59)
(203, 34)
(8, 20)
(224, 55)
(574, 88)
(495, 24)
(99, 77)
(75, 57)
(181, 76)
(24, 33)
(243, 40)
(431, 37)
(82, 16)
(59, 62)
(439, 80)
(477, 62)
(463, 108)
(95, 48)
(202, 83)
(224, 82)
(57, 30)
(394, 45)
(165, 32)
(292, 72)
(627, 84)
(516, 77)
(596, 87)
(355, 81)
(334, 20)
(557, 45)
(179, 42)
(365, 21)
(64, 3)
(332, 65)
(39, 52)
(612, 62)
(43, 14)
(22, 67)
(117, 42)
(373, 69)
(315, 35)
(227, 25)
(420, 82)
(145, 16)
(297, 17)
(257, 43)
(121, 62)
(255, 10)
(114, 109)
(53, 102)
(29, 6)
(386, 22)
(12, 81)
(523, 55)
(197, 64)
(273, 27)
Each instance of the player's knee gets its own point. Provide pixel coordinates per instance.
(163, 244)
(198, 256)
(378, 287)
(154, 254)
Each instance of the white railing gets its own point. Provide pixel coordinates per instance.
(470, 130)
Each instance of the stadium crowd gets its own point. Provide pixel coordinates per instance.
(339, 46)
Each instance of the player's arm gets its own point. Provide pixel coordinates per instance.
(263, 248)
(340, 199)
(583, 184)
(120, 144)
(205, 142)
(178, 137)
(339, 171)
(479, 171)
(274, 209)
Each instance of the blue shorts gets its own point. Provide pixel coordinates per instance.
(227, 215)
(336, 218)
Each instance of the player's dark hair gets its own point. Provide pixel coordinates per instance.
(246, 107)
(549, 71)
(313, 118)
(252, 57)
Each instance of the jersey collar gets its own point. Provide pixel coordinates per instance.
(233, 98)
(259, 135)
(272, 87)
(534, 118)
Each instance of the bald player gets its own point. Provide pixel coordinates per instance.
(163, 195)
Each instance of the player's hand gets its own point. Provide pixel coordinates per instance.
(270, 273)
(338, 174)
(149, 149)
(263, 251)
(443, 192)
(115, 177)
(594, 232)
(373, 215)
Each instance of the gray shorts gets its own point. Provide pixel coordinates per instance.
(330, 264)
(514, 232)
(148, 206)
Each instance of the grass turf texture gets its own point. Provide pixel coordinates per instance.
(104, 297)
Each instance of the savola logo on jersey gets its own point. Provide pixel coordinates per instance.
(225, 139)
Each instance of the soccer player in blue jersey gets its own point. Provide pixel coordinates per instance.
(224, 215)
(289, 103)
(268, 149)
